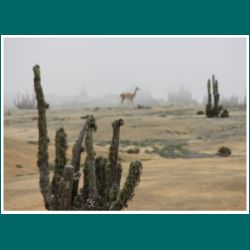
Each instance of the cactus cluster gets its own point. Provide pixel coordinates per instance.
(213, 109)
(101, 177)
(25, 101)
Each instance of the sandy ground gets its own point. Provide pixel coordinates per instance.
(203, 182)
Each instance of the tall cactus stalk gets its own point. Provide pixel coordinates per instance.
(43, 139)
(101, 176)
(90, 194)
(115, 167)
(65, 189)
(216, 96)
(209, 101)
(213, 109)
(76, 159)
(127, 192)
(61, 160)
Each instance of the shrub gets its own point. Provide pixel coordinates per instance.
(224, 152)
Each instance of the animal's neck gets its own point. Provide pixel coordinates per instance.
(134, 92)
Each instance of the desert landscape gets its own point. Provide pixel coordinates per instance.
(125, 123)
(177, 147)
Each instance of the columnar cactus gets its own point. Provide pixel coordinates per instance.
(43, 157)
(209, 99)
(216, 94)
(60, 161)
(101, 176)
(127, 191)
(89, 191)
(76, 158)
(213, 110)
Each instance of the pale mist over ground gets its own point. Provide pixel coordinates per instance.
(94, 71)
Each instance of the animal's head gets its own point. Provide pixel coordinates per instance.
(136, 89)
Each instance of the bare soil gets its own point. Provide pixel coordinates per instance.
(181, 170)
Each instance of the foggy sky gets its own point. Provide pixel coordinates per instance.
(113, 65)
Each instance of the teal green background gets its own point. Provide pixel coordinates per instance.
(124, 231)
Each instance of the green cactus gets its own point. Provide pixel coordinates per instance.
(101, 176)
(60, 161)
(65, 189)
(43, 139)
(76, 159)
(213, 109)
(89, 192)
(209, 101)
(127, 192)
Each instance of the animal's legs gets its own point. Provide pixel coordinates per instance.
(122, 100)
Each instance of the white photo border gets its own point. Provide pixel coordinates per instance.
(136, 211)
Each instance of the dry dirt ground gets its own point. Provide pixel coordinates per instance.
(181, 170)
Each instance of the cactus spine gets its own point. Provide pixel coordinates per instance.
(101, 188)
